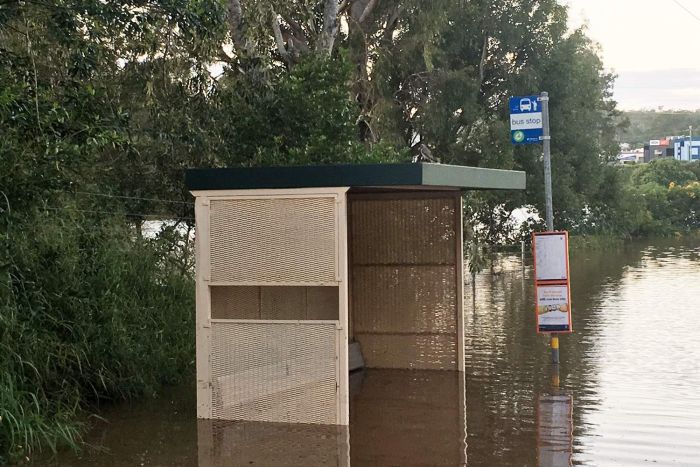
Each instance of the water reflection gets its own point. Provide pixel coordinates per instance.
(408, 417)
(631, 366)
(279, 444)
(648, 374)
(554, 430)
(398, 417)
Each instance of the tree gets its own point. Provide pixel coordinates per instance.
(664, 172)
(77, 285)
(441, 78)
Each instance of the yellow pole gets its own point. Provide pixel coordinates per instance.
(555, 348)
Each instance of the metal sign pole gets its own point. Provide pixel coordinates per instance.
(549, 212)
(544, 99)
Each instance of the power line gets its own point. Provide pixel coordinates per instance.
(677, 2)
(106, 195)
(162, 216)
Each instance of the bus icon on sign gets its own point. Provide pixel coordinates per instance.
(525, 105)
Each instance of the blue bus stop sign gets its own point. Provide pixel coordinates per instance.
(525, 120)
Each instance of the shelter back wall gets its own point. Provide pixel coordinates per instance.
(404, 279)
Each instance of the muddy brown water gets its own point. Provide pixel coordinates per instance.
(629, 391)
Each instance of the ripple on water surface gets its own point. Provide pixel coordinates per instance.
(631, 367)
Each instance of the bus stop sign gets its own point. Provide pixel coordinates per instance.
(525, 120)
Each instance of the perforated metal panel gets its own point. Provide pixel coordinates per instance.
(405, 231)
(230, 302)
(322, 303)
(274, 302)
(274, 240)
(404, 299)
(415, 351)
(404, 279)
(275, 372)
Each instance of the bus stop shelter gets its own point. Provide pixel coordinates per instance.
(295, 263)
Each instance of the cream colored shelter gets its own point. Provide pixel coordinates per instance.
(295, 263)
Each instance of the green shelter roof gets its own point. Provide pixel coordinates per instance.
(438, 176)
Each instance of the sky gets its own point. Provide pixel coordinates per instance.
(652, 45)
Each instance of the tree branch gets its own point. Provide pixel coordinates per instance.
(330, 27)
(222, 56)
(295, 37)
(368, 10)
(343, 6)
(391, 24)
(279, 40)
(482, 62)
(30, 52)
(236, 26)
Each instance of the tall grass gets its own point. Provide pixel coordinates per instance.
(89, 312)
(595, 242)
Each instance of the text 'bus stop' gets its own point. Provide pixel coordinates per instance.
(295, 263)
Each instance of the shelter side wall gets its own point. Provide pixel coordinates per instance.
(406, 279)
(271, 313)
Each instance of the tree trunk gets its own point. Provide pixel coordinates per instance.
(279, 40)
(330, 28)
(235, 19)
(482, 61)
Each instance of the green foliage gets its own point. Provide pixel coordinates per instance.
(302, 117)
(659, 198)
(664, 172)
(444, 81)
(587, 243)
(88, 312)
(684, 201)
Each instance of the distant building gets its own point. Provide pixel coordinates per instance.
(686, 150)
(658, 149)
(635, 156)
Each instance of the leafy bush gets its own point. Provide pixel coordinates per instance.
(663, 172)
(88, 312)
(684, 203)
(659, 198)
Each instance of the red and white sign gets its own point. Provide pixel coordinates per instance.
(552, 286)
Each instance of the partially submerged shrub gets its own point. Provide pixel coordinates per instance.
(89, 311)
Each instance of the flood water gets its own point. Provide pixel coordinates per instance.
(628, 393)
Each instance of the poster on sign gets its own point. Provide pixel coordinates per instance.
(552, 296)
(553, 308)
(551, 252)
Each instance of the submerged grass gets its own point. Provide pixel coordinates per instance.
(594, 242)
(88, 312)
